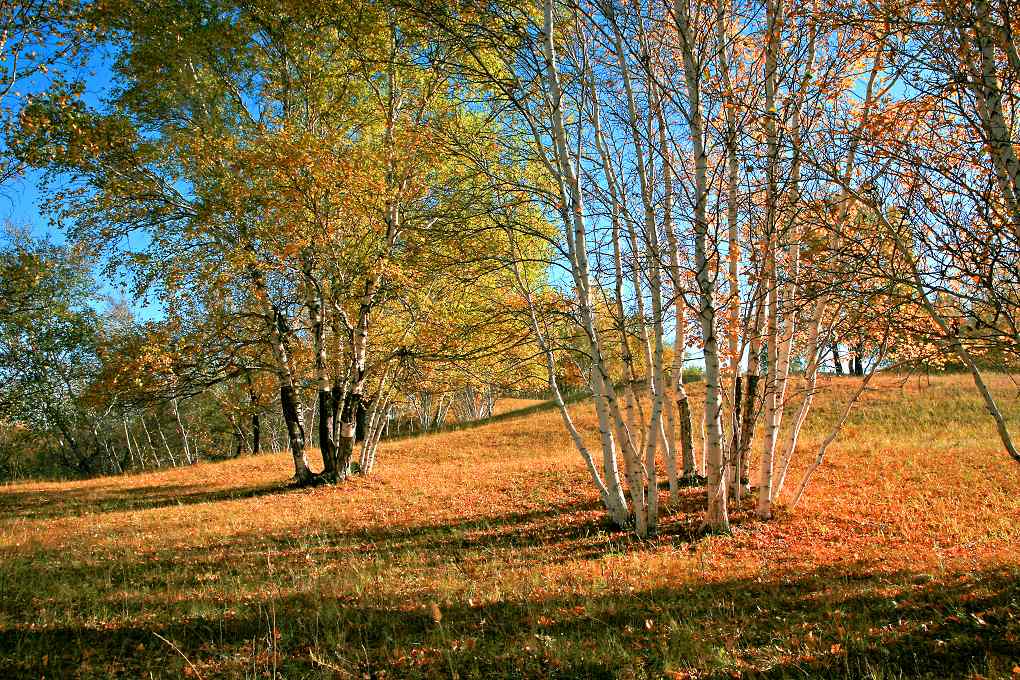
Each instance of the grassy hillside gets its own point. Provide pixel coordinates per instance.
(483, 553)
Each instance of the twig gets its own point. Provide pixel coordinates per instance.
(839, 423)
(177, 649)
(330, 666)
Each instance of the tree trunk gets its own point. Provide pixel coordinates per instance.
(610, 491)
(836, 428)
(256, 434)
(327, 446)
(717, 516)
(686, 441)
(629, 376)
(338, 395)
(148, 438)
(289, 405)
(316, 318)
(361, 425)
(572, 216)
(653, 357)
(127, 442)
(376, 421)
(162, 436)
(141, 452)
(733, 242)
(771, 384)
(348, 426)
(736, 463)
(953, 340)
(814, 350)
(774, 13)
(748, 420)
(295, 431)
(987, 89)
(182, 432)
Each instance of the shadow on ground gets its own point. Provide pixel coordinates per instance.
(824, 624)
(100, 498)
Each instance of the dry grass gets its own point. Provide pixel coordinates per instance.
(900, 562)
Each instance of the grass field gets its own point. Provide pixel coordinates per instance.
(483, 553)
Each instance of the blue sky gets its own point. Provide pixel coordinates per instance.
(21, 199)
(20, 205)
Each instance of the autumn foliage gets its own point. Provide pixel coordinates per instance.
(565, 338)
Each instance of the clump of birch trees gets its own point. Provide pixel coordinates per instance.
(732, 184)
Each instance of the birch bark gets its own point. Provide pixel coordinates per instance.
(717, 516)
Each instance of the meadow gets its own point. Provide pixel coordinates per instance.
(484, 553)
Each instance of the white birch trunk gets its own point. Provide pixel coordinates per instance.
(772, 47)
(717, 517)
(606, 402)
(988, 94)
(610, 490)
(814, 352)
(733, 243)
(182, 431)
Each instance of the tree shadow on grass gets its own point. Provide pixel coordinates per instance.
(76, 501)
(572, 531)
(271, 608)
(469, 548)
(846, 622)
